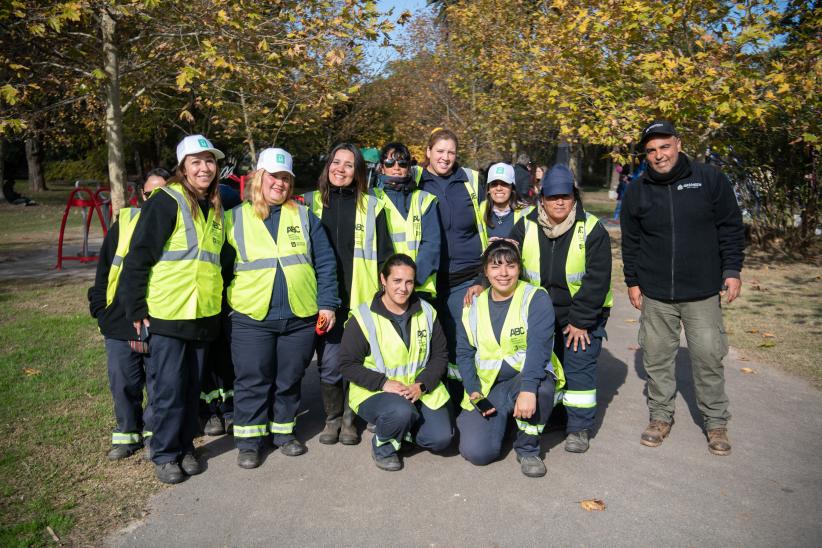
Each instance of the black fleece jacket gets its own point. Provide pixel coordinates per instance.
(682, 232)
(355, 348)
(156, 224)
(585, 309)
(112, 318)
(339, 219)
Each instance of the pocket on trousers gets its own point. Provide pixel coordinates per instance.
(721, 340)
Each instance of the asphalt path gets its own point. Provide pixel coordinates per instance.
(768, 492)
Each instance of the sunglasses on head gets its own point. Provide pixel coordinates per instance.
(389, 162)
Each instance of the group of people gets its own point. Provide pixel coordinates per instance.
(433, 306)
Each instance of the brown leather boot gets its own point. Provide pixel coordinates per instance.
(718, 443)
(656, 432)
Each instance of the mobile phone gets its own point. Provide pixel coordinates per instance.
(141, 345)
(482, 405)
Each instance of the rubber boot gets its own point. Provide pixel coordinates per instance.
(332, 395)
(349, 434)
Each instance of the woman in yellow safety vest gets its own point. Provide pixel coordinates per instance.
(171, 286)
(395, 357)
(505, 358)
(357, 230)
(567, 251)
(284, 278)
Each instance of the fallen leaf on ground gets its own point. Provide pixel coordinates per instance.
(767, 344)
(592, 505)
(630, 320)
(633, 348)
(754, 330)
(768, 335)
(30, 371)
(748, 371)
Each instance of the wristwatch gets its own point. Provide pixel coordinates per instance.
(423, 388)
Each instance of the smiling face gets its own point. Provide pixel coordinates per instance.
(662, 152)
(399, 285)
(538, 173)
(503, 277)
(558, 207)
(341, 169)
(500, 193)
(442, 157)
(393, 167)
(276, 187)
(200, 170)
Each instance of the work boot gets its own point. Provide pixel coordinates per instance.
(169, 472)
(248, 458)
(391, 463)
(121, 451)
(577, 442)
(532, 466)
(718, 442)
(214, 426)
(656, 432)
(371, 427)
(293, 448)
(333, 404)
(348, 433)
(190, 464)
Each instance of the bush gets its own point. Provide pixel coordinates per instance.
(94, 166)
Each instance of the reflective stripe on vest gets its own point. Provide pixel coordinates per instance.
(186, 283)
(127, 222)
(365, 271)
(389, 355)
(472, 186)
(511, 347)
(406, 232)
(574, 261)
(259, 259)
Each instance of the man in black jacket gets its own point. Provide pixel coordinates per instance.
(682, 248)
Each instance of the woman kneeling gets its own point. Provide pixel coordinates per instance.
(394, 355)
(504, 354)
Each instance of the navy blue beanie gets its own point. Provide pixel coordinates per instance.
(558, 180)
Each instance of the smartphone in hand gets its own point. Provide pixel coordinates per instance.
(482, 405)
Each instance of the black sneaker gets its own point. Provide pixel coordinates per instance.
(248, 458)
(190, 464)
(169, 472)
(121, 451)
(391, 463)
(533, 467)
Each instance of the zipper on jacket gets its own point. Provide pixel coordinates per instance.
(551, 263)
(673, 237)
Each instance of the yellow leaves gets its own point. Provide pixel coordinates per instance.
(9, 94)
(748, 371)
(185, 77)
(186, 116)
(335, 57)
(30, 372)
(262, 45)
(592, 505)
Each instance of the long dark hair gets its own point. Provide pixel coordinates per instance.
(513, 203)
(212, 194)
(360, 174)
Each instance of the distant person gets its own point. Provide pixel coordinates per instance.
(13, 197)
(522, 174)
(624, 179)
(536, 178)
(395, 357)
(683, 246)
(126, 366)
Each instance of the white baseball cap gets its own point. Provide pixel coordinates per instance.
(501, 172)
(194, 144)
(275, 160)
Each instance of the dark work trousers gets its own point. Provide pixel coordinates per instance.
(449, 307)
(580, 396)
(328, 350)
(173, 379)
(398, 419)
(217, 380)
(481, 437)
(269, 360)
(126, 379)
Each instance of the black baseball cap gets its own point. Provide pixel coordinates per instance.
(657, 127)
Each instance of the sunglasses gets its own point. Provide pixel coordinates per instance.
(389, 162)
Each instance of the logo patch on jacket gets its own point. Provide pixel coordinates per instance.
(683, 186)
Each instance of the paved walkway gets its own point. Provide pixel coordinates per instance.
(768, 492)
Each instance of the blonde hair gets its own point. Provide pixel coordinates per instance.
(257, 199)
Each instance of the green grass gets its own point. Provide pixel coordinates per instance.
(55, 422)
(596, 201)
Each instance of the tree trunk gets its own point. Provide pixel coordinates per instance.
(249, 136)
(37, 181)
(2, 162)
(114, 113)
